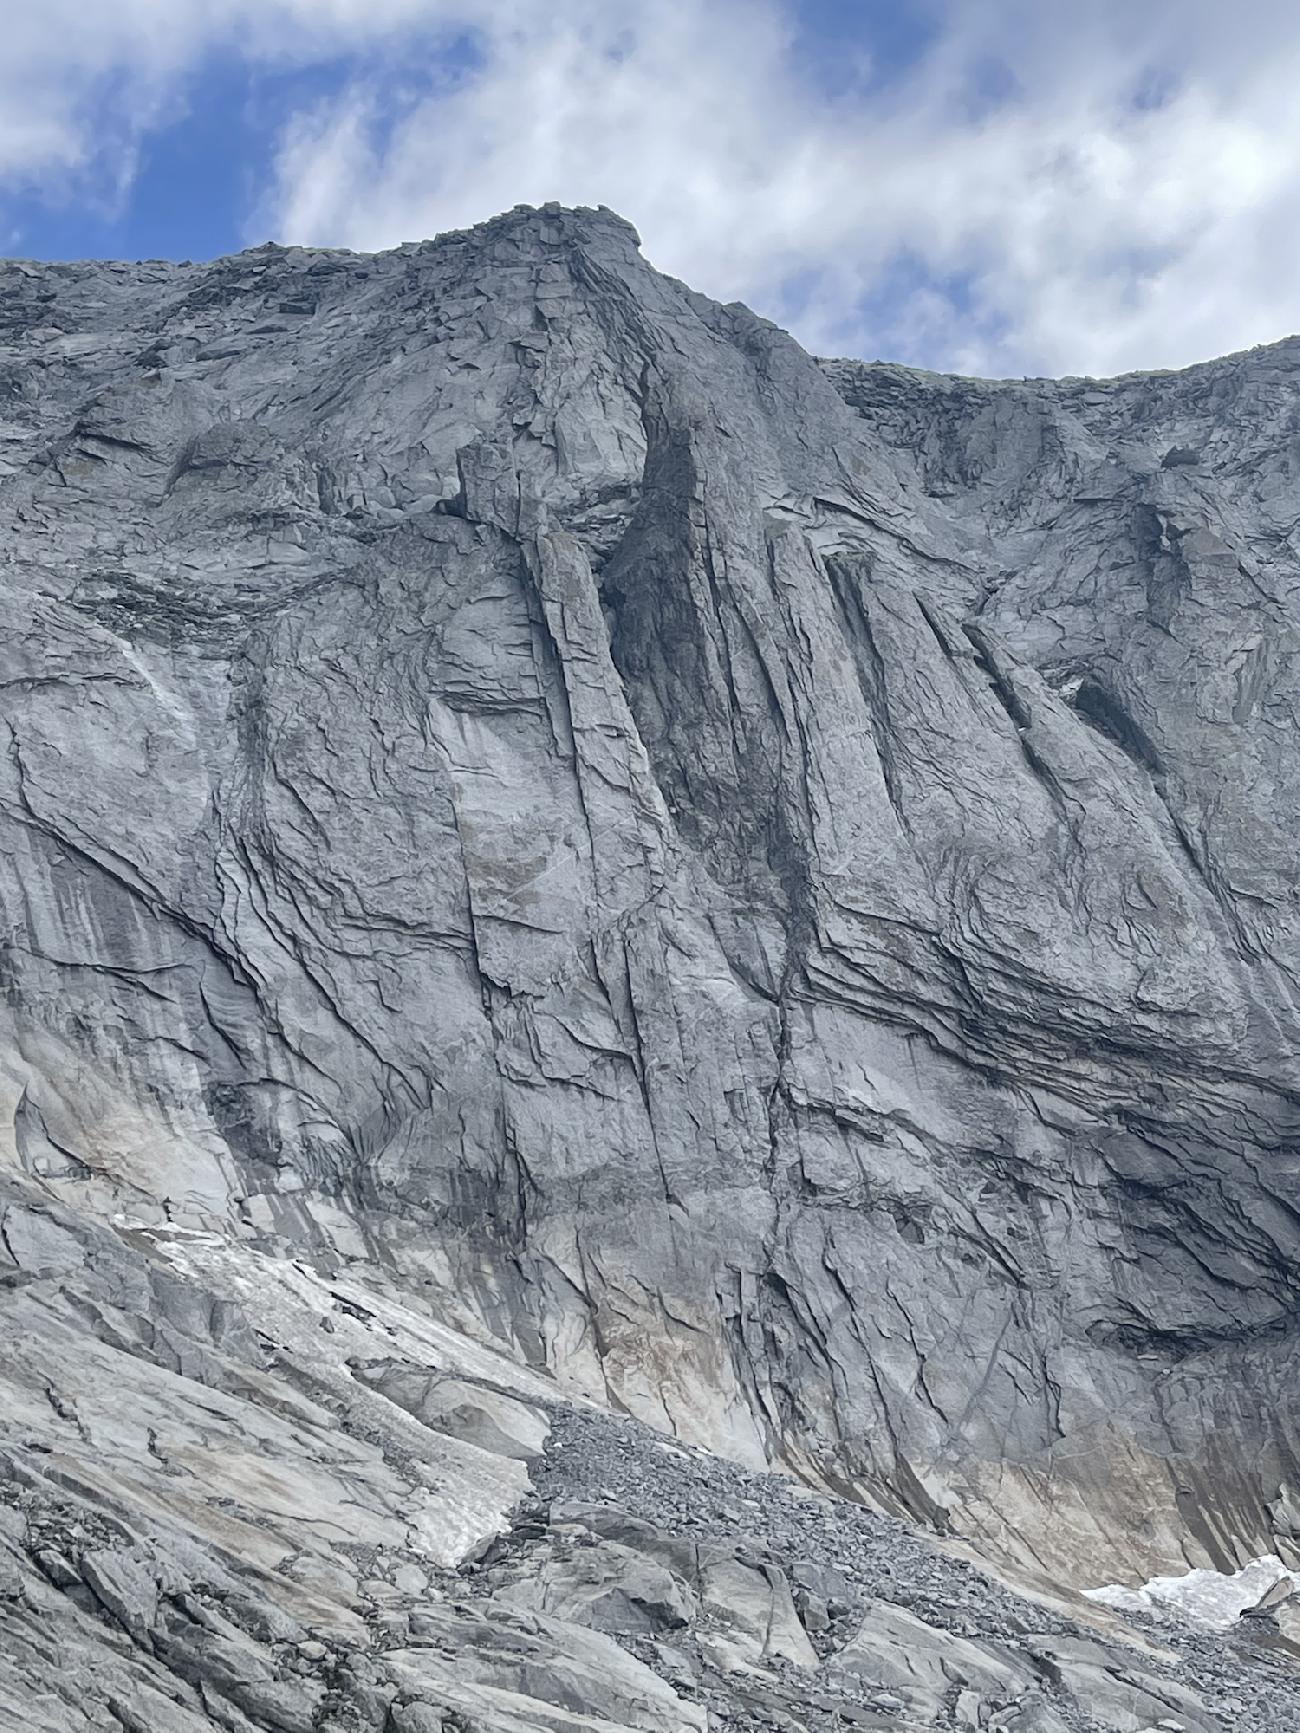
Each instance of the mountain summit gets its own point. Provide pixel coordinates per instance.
(594, 909)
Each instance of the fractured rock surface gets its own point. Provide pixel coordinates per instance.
(559, 856)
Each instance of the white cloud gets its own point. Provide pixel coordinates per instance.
(1050, 187)
(81, 84)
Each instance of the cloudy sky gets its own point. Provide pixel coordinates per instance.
(995, 186)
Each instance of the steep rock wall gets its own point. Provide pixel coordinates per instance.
(765, 887)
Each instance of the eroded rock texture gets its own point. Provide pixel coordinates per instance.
(753, 892)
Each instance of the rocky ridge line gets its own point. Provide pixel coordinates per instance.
(757, 894)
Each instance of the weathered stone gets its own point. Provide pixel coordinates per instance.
(554, 849)
(754, 1606)
(609, 1588)
(487, 1418)
(415, 1718)
(581, 1672)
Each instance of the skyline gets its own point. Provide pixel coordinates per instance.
(985, 188)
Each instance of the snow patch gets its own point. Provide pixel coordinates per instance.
(1215, 1599)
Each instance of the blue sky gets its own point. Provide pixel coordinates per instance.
(201, 171)
(982, 185)
(196, 176)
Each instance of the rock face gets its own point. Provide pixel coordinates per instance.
(554, 849)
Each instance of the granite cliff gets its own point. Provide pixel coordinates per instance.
(582, 888)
